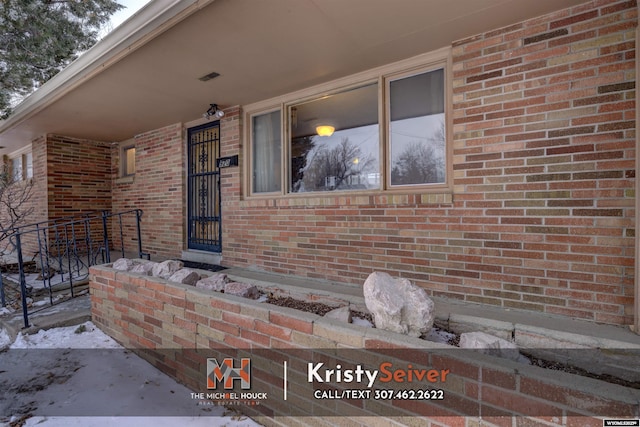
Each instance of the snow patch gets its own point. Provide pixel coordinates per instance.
(5, 339)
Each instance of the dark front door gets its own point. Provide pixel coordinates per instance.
(203, 205)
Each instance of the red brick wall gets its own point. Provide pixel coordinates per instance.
(39, 198)
(79, 176)
(541, 217)
(544, 117)
(230, 131)
(158, 188)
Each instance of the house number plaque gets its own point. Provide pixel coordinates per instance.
(225, 162)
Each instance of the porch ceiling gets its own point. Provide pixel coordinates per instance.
(261, 49)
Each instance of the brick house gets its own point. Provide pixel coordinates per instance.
(484, 150)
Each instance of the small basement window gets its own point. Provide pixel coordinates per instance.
(128, 160)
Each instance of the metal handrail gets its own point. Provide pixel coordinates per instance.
(60, 248)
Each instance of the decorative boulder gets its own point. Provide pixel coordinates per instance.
(215, 282)
(124, 264)
(242, 290)
(493, 346)
(342, 314)
(144, 267)
(166, 268)
(185, 276)
(397, 305)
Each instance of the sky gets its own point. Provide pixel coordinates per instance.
(130, 7)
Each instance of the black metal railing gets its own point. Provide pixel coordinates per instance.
(65, 248)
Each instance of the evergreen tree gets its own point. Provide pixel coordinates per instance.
(38, 38)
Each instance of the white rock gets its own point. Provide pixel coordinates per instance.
(342, 314)
(215, 282)
(144, 267)
(166, 268)
(242, 290)
(185, 276)
(124, 264)
(397, 305)
(491, 345)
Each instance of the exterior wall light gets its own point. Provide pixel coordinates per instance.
(325, 130)
(213, 111)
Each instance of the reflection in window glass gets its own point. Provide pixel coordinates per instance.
(29, 165)
(266, 152)
(17, 168)
(346, 160)
(417, 129)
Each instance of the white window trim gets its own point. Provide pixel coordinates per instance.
(249, 152)
(440, 58)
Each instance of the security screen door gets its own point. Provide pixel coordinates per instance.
(203, 204)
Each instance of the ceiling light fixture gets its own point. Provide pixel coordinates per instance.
(325, 130)
(213, 110)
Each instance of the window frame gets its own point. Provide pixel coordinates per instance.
(249, 153)
(447, 117)
(22, 155)
(440, 59)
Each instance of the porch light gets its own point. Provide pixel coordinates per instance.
(325, 130)
(213, 111)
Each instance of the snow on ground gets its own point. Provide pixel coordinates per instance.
(83, 336)
(5, 340)
(361, 322)
(42, 381)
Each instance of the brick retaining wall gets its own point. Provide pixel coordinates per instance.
(176, 327)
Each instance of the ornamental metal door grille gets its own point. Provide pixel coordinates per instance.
(203, 205)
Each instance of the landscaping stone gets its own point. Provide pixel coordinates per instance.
(342, 314)
(185, 276)
(491, 345)
(123, 264)
(166, 268)
(397, 305)
(144, 267)
(215, 282)
(242, 290)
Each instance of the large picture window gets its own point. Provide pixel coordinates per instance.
(335, 142)
(385, 129)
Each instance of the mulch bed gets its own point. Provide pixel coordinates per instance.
(202, 266)
(322, 309)
(312, 307)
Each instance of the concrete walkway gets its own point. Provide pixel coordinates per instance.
(72, 312)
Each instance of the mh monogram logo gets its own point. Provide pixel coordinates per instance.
(226, 373)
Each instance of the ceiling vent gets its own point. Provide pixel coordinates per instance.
(209, 76)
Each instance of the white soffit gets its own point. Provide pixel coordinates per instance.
(145, 74)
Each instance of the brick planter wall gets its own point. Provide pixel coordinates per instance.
(177, 326)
